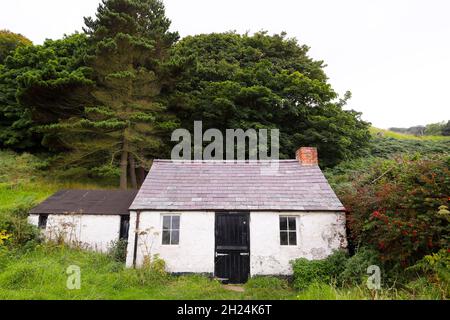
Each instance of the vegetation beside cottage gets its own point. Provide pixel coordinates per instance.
(66, 121)
(28, 266)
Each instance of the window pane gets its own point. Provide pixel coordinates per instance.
(292, 223)
(283, 223)
(293, 238)
(166, 237)
(166, 222)
(175, 222)
(42, 223)
(175, 237)
(124, 227)
(283, 238)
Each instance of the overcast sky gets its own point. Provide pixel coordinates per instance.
(393, 55)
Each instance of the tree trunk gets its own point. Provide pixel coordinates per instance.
(123, 166)
(132, 172)
(140, 176)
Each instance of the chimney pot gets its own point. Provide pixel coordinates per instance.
(307, 156)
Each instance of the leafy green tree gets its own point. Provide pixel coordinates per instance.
(41, 85)
(229, 80)
(434, 129)
(130, 41)
(446, 129)
(9, 41)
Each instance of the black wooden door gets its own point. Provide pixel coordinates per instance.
(232, 262)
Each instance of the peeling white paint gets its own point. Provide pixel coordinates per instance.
(318, 234)
(195, 251)
(94, 232)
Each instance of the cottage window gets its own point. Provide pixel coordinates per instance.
(288, 231)
(124, 227)
(171, 230)
(42, 223)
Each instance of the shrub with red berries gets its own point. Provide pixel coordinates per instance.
(400, 207)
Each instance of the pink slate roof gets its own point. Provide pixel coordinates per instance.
(235, 185)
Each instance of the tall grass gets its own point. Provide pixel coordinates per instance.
(41, 274)
(25, 180)
(403, 136)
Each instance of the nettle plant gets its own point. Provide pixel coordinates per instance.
(400, 207)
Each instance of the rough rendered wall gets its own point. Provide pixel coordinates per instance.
(94, 232)
(33, 219)
(317, 235)
(195, 251)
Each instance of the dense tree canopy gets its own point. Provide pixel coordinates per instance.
(41, 85)
(109, 97)
(9, 41)
(129, 42)
(241, 81)
(446, 129)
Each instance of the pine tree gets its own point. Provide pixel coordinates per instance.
(130, 42)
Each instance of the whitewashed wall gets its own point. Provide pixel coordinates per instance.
(195, 251)
(318, 234)
(95, 232)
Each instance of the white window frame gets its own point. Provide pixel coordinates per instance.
(288, 230)
(170, 229)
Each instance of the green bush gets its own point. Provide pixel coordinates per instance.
(337, 269)
(72, 173)
(266, 282)
(422, 288)
(153, 270)
(106, 172)
(355, 270)
(118, 250)
(389, 147)
(327, 270)
(15, 223)
(436, 268)
(398, 207)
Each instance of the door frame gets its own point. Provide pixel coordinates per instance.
(229, 212)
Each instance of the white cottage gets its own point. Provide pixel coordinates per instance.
(235, 219)
(91, 219)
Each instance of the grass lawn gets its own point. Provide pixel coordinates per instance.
(23, 184)
(40, 274)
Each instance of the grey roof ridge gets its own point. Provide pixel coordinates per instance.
(343, 209)
(228, 161)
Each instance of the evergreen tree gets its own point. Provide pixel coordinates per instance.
(9, 41)
(130, 42)
(40, 85)
(446, 129)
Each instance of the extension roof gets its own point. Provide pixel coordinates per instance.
(96, 202)
(235, 185)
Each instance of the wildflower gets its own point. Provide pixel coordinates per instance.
(3, 237)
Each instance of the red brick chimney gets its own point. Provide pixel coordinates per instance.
(307, 156)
